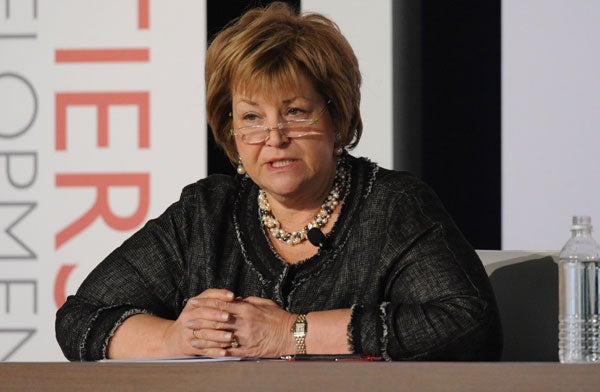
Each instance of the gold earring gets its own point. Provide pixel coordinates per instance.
(240, 167)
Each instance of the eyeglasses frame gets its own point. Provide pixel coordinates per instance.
(279, 127)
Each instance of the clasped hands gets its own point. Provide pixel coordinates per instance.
(211, 321)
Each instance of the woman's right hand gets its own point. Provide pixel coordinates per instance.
(203, 326)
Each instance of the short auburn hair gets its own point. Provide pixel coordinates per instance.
(264, 50)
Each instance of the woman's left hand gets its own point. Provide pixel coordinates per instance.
(261, 328)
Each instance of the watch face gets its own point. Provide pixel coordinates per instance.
(300, 328)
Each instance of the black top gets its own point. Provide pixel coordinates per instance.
(416, 288)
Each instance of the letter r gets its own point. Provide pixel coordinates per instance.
(102, 182)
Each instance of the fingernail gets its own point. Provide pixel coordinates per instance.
(194, 301)
(189, 324)
(230, 295)
(228, 335)
(225, 316)
(195, 343)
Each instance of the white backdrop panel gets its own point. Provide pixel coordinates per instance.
(550, 119)
(38, 266)
(368, 27)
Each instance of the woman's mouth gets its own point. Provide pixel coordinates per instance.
(281, 163)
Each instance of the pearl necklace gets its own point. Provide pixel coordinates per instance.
(340, 185)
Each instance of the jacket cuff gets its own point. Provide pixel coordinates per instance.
(367, 321)
(102, 327)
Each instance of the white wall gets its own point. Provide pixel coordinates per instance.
(550, 119)
(368, 27)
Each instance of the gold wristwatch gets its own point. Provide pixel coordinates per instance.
(299, 330)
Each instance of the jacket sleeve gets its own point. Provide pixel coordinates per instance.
(437, 303)
(141, 276)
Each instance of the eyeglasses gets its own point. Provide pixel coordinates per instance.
(259, 133)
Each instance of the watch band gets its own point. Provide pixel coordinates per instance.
(299, 330)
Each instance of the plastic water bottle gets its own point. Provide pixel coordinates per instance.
(579, 291)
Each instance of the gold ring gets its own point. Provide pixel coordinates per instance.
(194, 333)
(234, 342)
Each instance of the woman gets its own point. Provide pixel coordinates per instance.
(230, 270)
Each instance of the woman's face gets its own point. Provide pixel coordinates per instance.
(286, 168)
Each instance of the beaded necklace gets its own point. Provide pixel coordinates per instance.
(340, 186)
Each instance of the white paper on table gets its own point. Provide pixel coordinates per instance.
(180, 359)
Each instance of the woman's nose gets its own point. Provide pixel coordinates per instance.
(275, 137)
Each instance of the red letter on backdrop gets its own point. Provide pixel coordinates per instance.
(143, 14)
(130, 55)
(102, 101)
(102, 182)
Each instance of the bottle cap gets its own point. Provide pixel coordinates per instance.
(581, 222)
